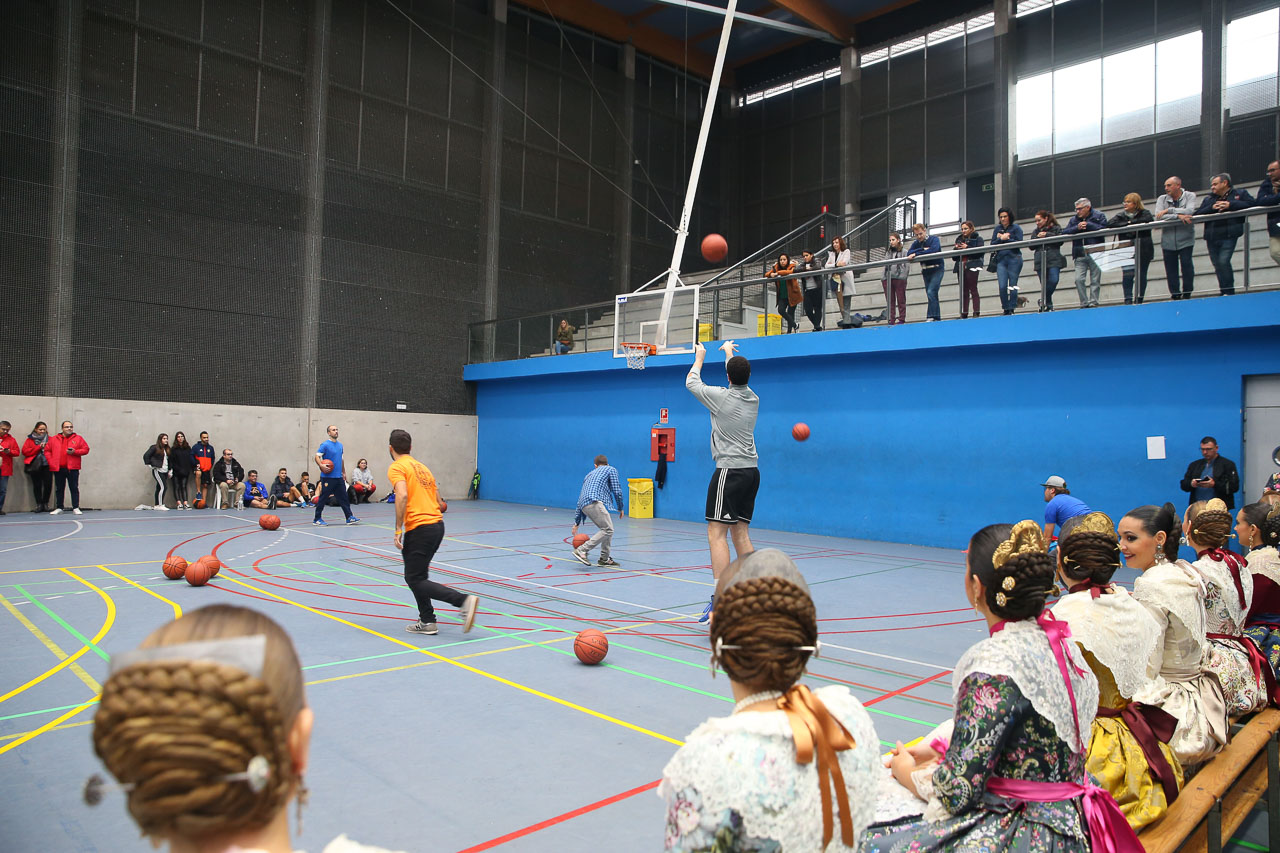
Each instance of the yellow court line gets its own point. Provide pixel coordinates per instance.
(64, 568)
(177, 611)
(533, 691)
(21, 739)
(102, 632)
(49, 644)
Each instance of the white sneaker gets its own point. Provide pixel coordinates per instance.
(77, 511)
(161, 508)
(55, 512)
(468, 612)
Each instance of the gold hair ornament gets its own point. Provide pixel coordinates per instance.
(1001, 599)
(1025, 537)
(1008, 583)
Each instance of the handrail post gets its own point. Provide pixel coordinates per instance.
(1248, 226)
(1042, 256)
(715, 315)
(1213, 827)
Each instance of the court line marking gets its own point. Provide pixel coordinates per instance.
(49, 726)
(66, 626)
(78, 525)
(53, 647)
(177, 610)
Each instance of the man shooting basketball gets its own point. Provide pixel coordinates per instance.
(731, 496)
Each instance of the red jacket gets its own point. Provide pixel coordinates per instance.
(63, 452)
(8, 450)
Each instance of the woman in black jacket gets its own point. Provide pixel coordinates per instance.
(1135, 214)
(157, 456)
(182, 464)
(1048, 259)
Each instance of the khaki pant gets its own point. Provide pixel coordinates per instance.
(230, 492)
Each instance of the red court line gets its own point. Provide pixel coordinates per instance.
(902, 690)
(529, 830)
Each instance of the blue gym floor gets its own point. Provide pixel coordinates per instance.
(498, 739)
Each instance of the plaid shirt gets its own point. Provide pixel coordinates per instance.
(600, 484)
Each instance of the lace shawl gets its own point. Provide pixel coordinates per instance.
(1021, 652)
(1265, 562)
(747, 763)
(1118, 631)
(1227, 611)
(1177, 589)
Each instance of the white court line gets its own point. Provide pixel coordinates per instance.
(78, 525)
(887, 657)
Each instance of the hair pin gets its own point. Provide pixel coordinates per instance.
(1008, 583)
(1001, 599)
(816, 648)
(256, 775)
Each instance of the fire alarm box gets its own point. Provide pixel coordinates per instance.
(662, 444)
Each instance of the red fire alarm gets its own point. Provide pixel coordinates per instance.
(662, 444)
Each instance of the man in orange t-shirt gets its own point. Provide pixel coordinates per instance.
(419, 532)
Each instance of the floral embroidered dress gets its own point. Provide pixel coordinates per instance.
(735, 784)
(1225, 613)
(1263, 623)
(1173, 594)
(1122, 645)
(1013, 720)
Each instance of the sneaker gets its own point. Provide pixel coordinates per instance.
(706, 611)
(161, 508)
(421, 627)
(76, 511)
(607, 561)
(353, 520)
(300, 504)
(320, 522)
(57, 511)
(468, 612)
(271, 502)
(581, 556)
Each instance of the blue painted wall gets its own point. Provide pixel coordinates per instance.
(920, 434)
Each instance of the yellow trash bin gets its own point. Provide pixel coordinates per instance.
(774, 321)
(641, 497)
(705, 332)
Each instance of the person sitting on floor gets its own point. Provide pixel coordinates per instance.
(362, 485)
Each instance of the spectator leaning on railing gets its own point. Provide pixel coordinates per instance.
(930, 270)
(1086, 219)
(1135, 214)
(1177, 241)
(1048, 259)
(1268, 194)
(968, 267)
(1220, 237)
(894, 280)
(1007, 261)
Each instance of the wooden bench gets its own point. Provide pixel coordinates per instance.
(1216, 800)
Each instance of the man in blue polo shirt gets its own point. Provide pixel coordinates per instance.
(333, 481)
(1060, 506)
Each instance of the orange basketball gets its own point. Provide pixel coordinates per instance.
(714, 248)
(199, 573)
(326, 466)
(213, 564)
(800, 432)
(269, 522)
(444, 505)
(580, 540)
(591, 646)
(200, 503)
(174, 567)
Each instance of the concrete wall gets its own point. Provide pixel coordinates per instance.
(265, 438)
(920, 433)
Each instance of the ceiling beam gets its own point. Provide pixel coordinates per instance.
(748, 18)
(821, 16)
(602, 21)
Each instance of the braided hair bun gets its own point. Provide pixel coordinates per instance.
(1018, 587)
(1088, 549)
(1270, 528)
(171, 730)
(1211, 526)
(764, 610)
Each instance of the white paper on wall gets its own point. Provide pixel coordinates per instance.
(1155, 447)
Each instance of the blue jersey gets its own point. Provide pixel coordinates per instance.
(331, 450)
(1063, 507)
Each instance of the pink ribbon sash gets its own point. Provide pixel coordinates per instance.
(1109, 832)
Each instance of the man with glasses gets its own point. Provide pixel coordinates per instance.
(228, 475)
(63, 452)
(1086, 219)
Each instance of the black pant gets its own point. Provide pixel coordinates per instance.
(41, 487)
(180, 487)
(333, 487)
(1127, 279)
(64, 478)
(813, 307)
(420, 545)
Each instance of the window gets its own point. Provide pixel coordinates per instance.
(1249, 62)
(1077, 106)
(1034, 111)
(1128, 109)
(1178, 74)
(944, 208)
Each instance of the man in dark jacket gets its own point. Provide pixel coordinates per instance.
(228, 476)
(1268, 194)
(1086, 220)
(1221, 237)
(1212, 476)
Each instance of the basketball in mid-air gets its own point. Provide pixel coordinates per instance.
(326, 466)
(800, 432)
(714, 248)
(174, 567)
(580, 540)
(591, 646)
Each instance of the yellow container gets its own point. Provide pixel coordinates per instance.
(774, 321)
(641, 498)
(705, 332)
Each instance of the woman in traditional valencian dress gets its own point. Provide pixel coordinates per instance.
(1227, 599)
(1013, 775)
(1129, 753)
(1173, 593)
(1258, 529)
(790, 771)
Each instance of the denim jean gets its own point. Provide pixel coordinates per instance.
(1127, 281)
(1220, 252)
(1049, 282)
(562, 348)
(932, 283)
(1008, 268)
(1173, 260)
(1087, 266)
(4, 490)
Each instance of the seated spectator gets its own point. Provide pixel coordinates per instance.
(193, 784)
(1220, 237)
(1059, 506)
(283, 491)
(1049, 262)
(788, 292)
(930, 270)
(228, 476)
(1269, 194)
(1086, 219)
(1135, 214)
(893, 279)
(812, 290)
(1177, 241)
(967, 268)
(564, 337)
(255, 493)
(1008, 260)
(362, 485)
(305, 489)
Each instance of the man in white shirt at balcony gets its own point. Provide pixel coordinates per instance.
(1177, 241)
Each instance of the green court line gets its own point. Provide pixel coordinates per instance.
(81, 637)
(41, 711)
(1249, 844)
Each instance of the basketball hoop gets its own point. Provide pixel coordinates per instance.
(636, 353)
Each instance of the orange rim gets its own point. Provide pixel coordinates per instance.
(651, 349)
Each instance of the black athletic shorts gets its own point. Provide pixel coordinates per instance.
(731, 497)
